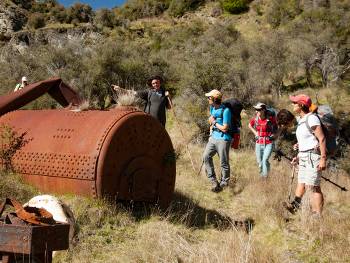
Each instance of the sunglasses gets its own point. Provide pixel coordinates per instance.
(210, 98)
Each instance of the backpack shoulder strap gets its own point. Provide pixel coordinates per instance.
(222, 111)
(308, 125)
(256, 122)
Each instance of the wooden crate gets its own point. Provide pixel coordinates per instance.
(30, 239)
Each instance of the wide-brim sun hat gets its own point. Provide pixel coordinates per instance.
(214, 93)
(149, 81)
(301, 99)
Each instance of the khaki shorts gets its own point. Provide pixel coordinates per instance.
(308, 163)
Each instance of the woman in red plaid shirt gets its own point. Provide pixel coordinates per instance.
(264, 128)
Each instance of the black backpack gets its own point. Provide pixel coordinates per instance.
(236, 108)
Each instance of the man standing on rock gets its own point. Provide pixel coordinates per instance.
(219, 140)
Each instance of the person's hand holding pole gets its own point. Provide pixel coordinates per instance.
(170, 103)
(294, 161)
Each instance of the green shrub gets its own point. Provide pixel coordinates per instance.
(178, 8)
(135, 9)
(105, 18)
(280, 12)
(11, 142)
(23, 3)
(42, 6)
(235, 6)
(79, 13)
(36, 20)
(58, 13)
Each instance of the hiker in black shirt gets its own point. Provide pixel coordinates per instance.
(156, 99)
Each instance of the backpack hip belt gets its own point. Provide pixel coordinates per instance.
(313, 150)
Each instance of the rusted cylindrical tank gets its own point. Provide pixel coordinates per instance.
(124, 154)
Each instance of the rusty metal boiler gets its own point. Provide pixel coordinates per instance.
(122, 154)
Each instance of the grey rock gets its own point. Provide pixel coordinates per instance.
(12, 19)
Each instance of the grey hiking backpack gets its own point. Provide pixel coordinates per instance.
(329, 127)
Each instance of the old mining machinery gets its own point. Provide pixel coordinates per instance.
(123, 153)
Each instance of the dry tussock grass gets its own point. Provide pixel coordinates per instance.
(126, 98)
(12, 186)
(201, 226)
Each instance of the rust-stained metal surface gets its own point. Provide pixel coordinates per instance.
(55, 87)
(21, 241)
(123, 153)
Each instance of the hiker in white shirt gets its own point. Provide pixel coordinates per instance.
(311, 157)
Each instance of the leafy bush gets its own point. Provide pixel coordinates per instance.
(59, 14)
(79, 13)
(43, 6)
(235, 6)
(36, 20)
(23, 3)
(11, 142)
(280, 12)
(178, 8)
(105, 18)
(135, 9)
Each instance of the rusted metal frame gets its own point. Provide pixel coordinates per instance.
(64, 95)
(58, 90)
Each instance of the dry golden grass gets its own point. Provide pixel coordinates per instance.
(201, 226)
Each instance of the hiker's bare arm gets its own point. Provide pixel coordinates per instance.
(223, 128)
(122, 91)
(322, 143)
(213, 123)
(253, 130)
(169, 105)
(294, 161)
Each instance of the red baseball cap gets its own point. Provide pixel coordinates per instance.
(301, 99)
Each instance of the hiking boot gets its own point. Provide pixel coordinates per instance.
(223, 185)
(290, 207)
(216, 187)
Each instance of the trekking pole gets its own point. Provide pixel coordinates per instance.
(182, 134)
(291, 183)
(200, 169)
(342, 188)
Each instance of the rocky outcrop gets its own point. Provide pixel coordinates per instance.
(57, 37)
(312, 4)
(12, 19)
